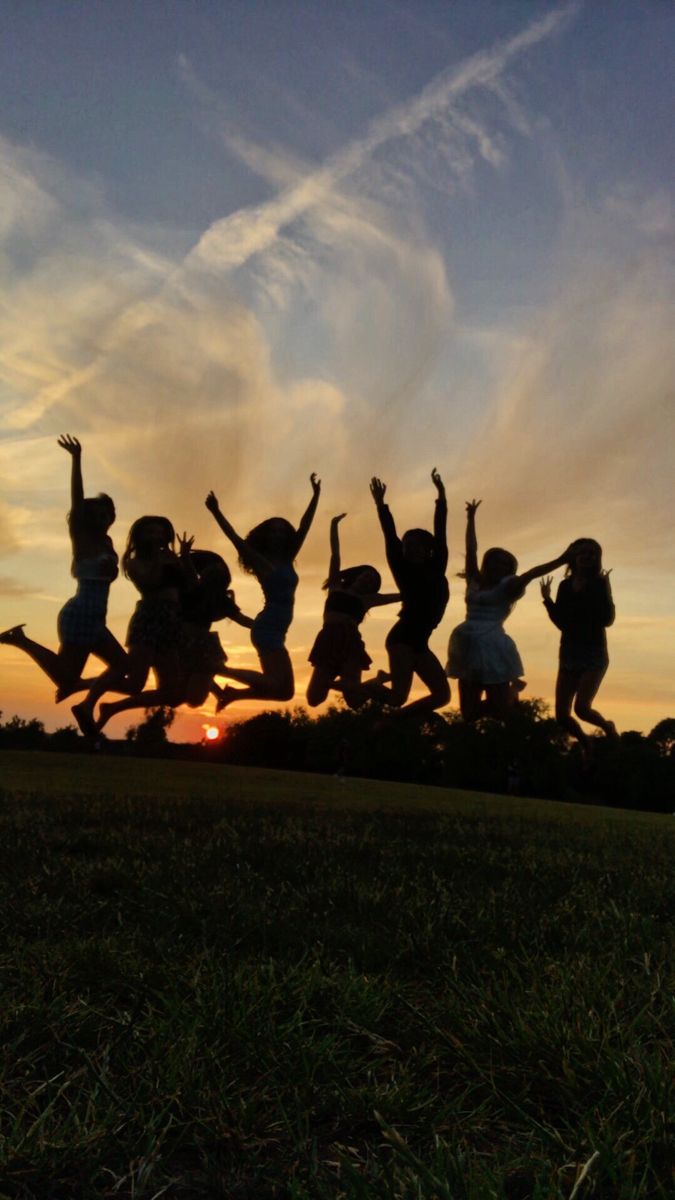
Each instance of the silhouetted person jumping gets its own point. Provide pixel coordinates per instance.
(418, 562)
(82, 625)
(481, 656)
(268, 552)
(338, 655)
(582, 610)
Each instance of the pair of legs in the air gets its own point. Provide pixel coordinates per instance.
(405, 661)
(274, 681)
(578, 689)
(498, 702)
(65, 666)
(131, 681)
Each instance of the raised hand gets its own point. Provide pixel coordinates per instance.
(212, 504)
(437, 482)
(185, 545)
(471, 506)
(316, 484)
(70, 445)
(377, 490)
(545, 587)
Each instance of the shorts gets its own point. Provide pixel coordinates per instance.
(339, 643)
(81, 621)
(269, 630)
(409, 633)
(155, 624)
(583, 658)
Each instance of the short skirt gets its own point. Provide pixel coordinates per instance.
(82, 620)
(483, 653)
(155, 624)
(338, 644)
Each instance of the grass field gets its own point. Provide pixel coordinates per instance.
(221, 982)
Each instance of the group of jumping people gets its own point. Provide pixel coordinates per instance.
(184, 590)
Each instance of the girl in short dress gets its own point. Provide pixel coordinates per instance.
(268, 552)
(481, 656)
(205, 597)
(582, 610)
(82, 624)
(338, 655)
(160, 575)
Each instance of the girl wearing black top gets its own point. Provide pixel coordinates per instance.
(338, 655)
(418, 562)
(582, 610)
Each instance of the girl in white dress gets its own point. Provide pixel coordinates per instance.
(481, 656)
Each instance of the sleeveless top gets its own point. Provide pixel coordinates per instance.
(345, 603)
(101, 567)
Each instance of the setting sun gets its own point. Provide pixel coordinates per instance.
(211, 732)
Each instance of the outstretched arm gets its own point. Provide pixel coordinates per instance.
(257, 562)
(380, 598)
(471, 541)
(308, 515)
(440, 520)
(334, 565)
(520, 582)
(74, 449)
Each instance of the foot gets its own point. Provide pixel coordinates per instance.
(225, 696)
(85, 719)
(13, 636)
(519, 685)
(611, 731)
(69, 689)
(382, 677)
(105, 712)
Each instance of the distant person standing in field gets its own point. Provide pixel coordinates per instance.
(338, 655)
(582, 610)
(81, 623)
(418, 561)
(268, 552)
(481, 656)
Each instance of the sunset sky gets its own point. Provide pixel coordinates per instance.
(242, 241)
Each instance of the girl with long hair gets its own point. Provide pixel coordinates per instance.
(81, 622)
(338, 655)
(159, 574)
(418, 561)
(481, 656)
(582, 610)
(268, 552)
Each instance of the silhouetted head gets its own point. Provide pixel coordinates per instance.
(363, 580)
(418, 546)
(497, 564)
(147, 536)
(275, 539)
(98, 514)
(585, 558)
(215, 578)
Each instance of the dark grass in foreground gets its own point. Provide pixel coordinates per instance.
(231, 983)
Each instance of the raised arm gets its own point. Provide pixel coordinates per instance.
(520, 582)
(471, 542)
(334, 565)
(392, 542)
(74, 449)
(308, 515)
(257, 562)
(440, 520)
(550, 605)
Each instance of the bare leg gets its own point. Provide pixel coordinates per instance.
(430, 671)
(138, 663)
(587, 689)
(274, 682)
(500, 699)
(168, 692)
(109, 650)
(320, 683)
(63, 667)
(565, 690)
(470, 704)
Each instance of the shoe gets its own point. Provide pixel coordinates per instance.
(85, 720)
(11, 636)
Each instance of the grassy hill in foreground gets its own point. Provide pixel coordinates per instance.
(238, 983)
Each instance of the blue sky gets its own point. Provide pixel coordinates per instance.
(245, 241)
